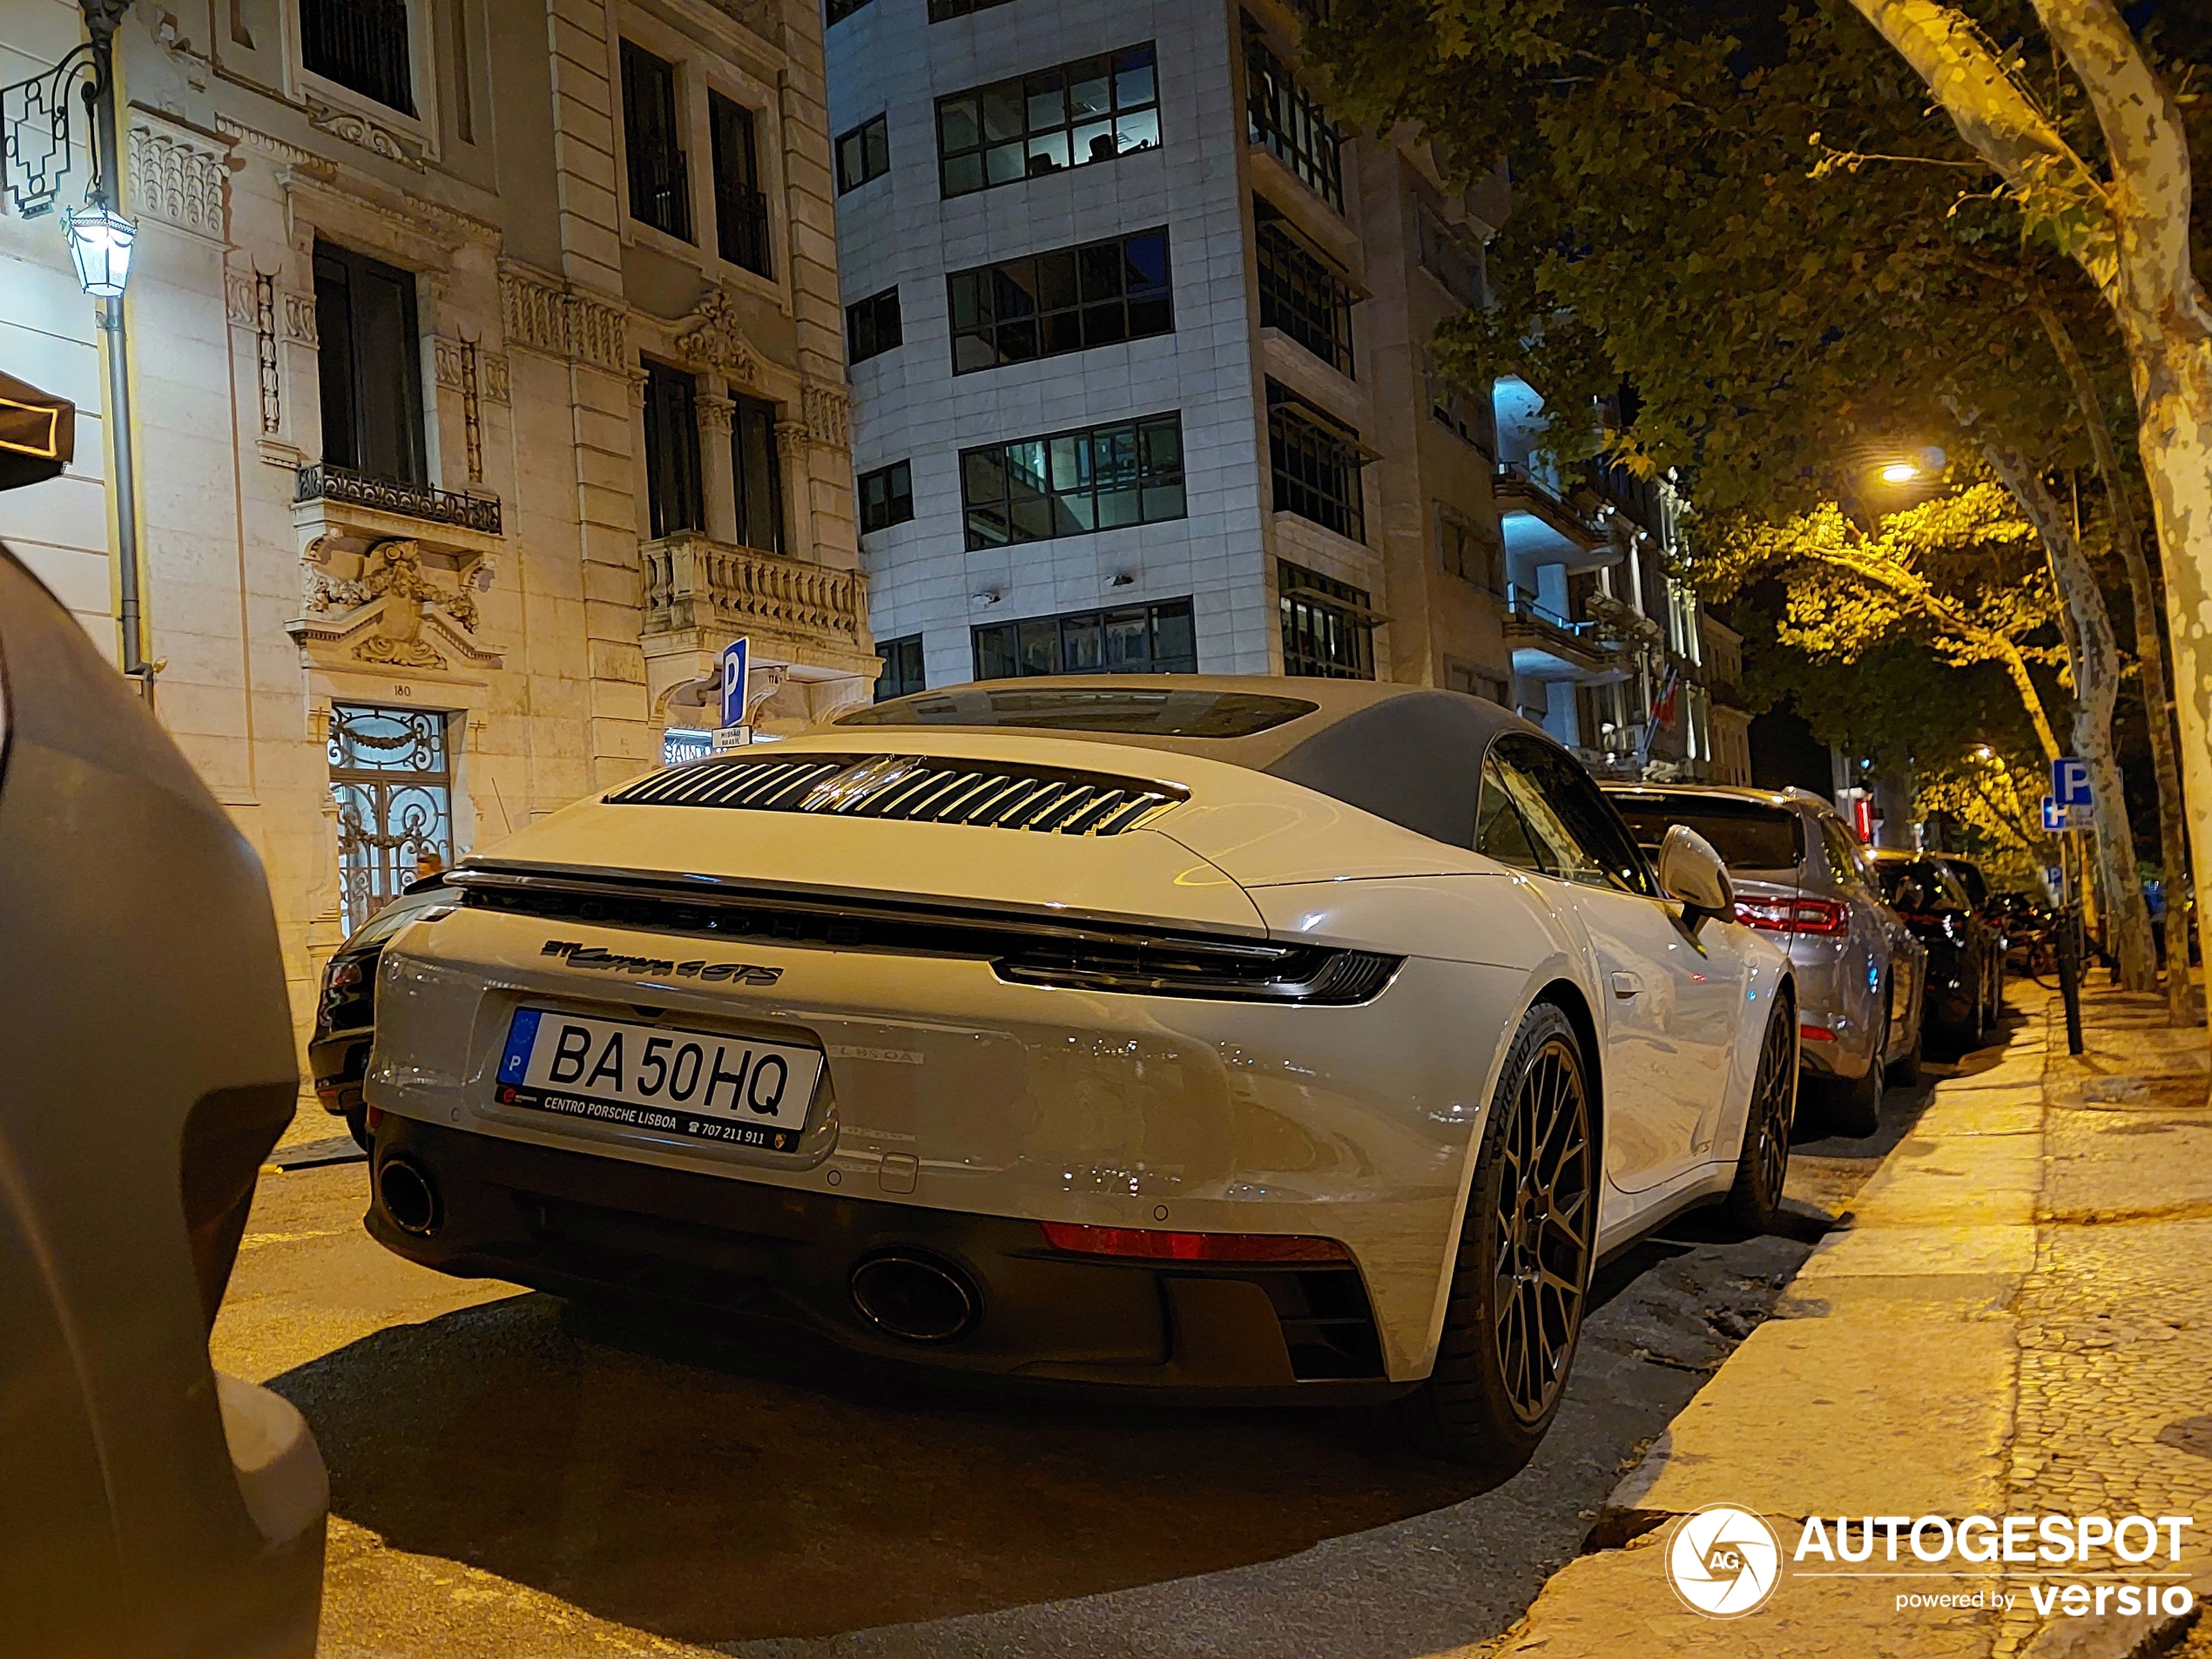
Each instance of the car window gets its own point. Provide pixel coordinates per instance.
(1500, 831)
(1748, 834)
(1572, 824)
(1843, 855)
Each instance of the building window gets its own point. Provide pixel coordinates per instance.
(1134, 639)
(1315, 460)
(660, 193)
(1091, 109)
(756, 473)
(1285, 117)
(393, 780)
(902, 674)
(863, 154)
(946, 10)
(871, 326)
(672, 494)
(740, 206)
(1300, 294)
(1469, 552)
(1451, 405)
(1068, 299)
(1444, 256)
(370, 367)
(1100, 478)
(361, 44)
(840, 10)
(1328, 632)
(887, 496)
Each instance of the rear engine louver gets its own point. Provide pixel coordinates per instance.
(919, 788)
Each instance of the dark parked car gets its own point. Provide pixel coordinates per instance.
(151, 1506)
(1965, 984)
(345, 1012)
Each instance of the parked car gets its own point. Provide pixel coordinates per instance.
(153, 1505)
(345, 1010)
(1173, 1034)
(1966, 983)
(1802, 877)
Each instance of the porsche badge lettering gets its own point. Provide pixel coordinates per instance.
(578, 955)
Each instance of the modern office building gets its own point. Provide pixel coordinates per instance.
(487, 376)
(1138, 352)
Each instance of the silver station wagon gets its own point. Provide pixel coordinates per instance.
(1802, 877)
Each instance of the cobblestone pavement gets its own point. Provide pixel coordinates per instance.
(2015, 1318)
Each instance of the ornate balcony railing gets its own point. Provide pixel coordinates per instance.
(691, 582)
(323, 482)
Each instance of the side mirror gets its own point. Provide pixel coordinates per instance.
(1692, 873)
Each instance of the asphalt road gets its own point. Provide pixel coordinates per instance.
(513, 1476)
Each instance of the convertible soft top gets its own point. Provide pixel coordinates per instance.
(1410, 754)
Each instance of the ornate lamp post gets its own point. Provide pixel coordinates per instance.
(100, 239)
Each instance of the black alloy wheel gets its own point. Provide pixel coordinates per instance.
(1521, 1279)
(1762, 1166)
(1543, 1216)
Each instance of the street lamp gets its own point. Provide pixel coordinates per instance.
(1899, 472)
(99, 246)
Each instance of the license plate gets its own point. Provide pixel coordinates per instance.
(733, 1090)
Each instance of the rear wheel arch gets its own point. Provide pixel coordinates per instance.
(1568, 997)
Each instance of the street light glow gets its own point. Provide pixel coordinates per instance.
(99, 246)
(1899, 472)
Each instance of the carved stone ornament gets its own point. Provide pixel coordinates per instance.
(398, 607)
(354, 128)
(711, 338)
(829, 414)
(495, 377)
(180, 183)
(561, 321)
(237, 299)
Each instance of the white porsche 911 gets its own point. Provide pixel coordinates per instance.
(1244, 1038)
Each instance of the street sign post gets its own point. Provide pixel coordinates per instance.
(737, 657)
(2070, 782)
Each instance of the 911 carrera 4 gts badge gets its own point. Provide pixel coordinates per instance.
(578, 955)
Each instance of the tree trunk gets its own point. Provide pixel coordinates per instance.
(2096, 689)
(2150, 662)
(2172, 376)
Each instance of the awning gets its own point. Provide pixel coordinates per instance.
(38, 433)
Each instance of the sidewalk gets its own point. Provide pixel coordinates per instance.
(2014, 1317)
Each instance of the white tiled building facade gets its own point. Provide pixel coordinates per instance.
(417, 565)
(1194, 170)
(1338, 508)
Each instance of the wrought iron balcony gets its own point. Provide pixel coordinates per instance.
(741, 226)
(660, 188)
(323, 482)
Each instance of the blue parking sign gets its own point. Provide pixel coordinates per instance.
(2070, 782)
(737, 657)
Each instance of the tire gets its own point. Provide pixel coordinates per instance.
(1905, 1070)
(1977, 1026)
(1754, 1200)
(1503, 1359)
(357, 1126)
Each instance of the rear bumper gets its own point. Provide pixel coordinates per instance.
(579, 1225)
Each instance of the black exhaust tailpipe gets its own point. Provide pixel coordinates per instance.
(915, 1298)
(409, 1197)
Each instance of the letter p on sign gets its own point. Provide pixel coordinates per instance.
(2070, 782)
(736, 660)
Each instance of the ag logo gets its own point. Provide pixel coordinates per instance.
(1723, 1562)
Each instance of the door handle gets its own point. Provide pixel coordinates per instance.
(1626, 985)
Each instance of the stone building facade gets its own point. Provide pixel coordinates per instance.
(487, 377)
